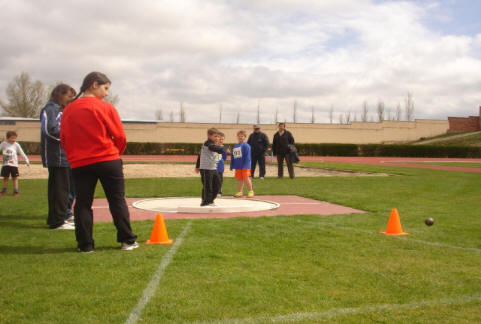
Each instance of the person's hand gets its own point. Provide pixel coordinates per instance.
(227, 151)
(197, 170)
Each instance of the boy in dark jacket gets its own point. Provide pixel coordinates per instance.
(53, 158)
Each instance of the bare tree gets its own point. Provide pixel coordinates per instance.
(409, 107)
(276, 116)
(364, 112)
(294, 112)
(25, 98)
(398, 112)
(313, 118)
(237, 119)
(220, 113)
(112, 98)
(355, 117)
(347, 117)
(331, 114)
(171, 117)
(182, 116)
(341, 119)
(158, 114)
(389, 114)
(380, 111)
(258, 113)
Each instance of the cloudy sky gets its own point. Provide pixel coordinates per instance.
(237, 55)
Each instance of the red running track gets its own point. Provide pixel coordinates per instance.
(385, 161)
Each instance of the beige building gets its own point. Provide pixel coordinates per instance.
(160, 132)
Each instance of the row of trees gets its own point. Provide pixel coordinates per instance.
(382, 113)
(26, 97)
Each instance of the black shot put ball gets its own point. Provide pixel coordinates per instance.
(429, 221)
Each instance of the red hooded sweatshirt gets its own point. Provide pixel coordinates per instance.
(91, 132)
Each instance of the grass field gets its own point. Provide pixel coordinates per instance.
(286, 269)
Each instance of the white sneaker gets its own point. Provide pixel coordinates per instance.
(65, 226)
(212, 205)
(129, 247)
(262, 178)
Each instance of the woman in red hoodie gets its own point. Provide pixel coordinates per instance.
(93, 138)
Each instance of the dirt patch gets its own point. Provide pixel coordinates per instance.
(36, 171)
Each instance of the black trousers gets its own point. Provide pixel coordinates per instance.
(221, 181)
(210, 186)
(280, 165)
(111, 177)
(58, 189)
(261, 159)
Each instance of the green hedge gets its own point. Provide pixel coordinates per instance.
(306, 149)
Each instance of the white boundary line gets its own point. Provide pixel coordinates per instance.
(336, 312)
(149, 291)
(408, 239)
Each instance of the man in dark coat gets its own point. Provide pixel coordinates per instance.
(259, 142)
(280, 147)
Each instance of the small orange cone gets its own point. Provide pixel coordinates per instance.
(394, 224)
(159, 232)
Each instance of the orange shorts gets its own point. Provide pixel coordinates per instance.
(242, 173)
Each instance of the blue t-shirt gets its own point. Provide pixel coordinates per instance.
(220, 162)
(240, 156)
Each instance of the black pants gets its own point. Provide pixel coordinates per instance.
(58, 189)
(261, 159)
(221, 181)
(210, 186)
(111, 177)
(280, 165)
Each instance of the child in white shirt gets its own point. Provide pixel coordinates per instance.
(10, 150)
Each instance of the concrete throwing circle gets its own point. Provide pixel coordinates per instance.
(192, 205)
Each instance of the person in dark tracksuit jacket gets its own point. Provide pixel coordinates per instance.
(53, 157)
(259, 143)
(208, 167)
(280, 147)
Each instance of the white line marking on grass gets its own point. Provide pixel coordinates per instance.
(408, 239)
(336, 312)
(154, 281)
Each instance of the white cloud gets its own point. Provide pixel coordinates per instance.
(244, 53)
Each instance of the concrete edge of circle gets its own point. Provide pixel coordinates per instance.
(244, 205)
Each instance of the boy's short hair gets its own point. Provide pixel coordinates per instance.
(212, 131)
(220, 134)
(282, 123)
(11, 133)
(243, 132)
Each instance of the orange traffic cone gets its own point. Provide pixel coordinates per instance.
(159, 232)
(394, 224)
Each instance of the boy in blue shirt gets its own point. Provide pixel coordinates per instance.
(241, 163)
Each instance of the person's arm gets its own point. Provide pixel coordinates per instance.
(197, 164)
(50, 125)
(274, 144)
(115, 128)
(22, 153)
(246, 154)
(217, 149)
(266, 141)
(291, 139)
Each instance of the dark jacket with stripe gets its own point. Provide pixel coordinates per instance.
(51, 151)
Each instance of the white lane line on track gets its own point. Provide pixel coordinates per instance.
(336, 312)
(149, 291)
